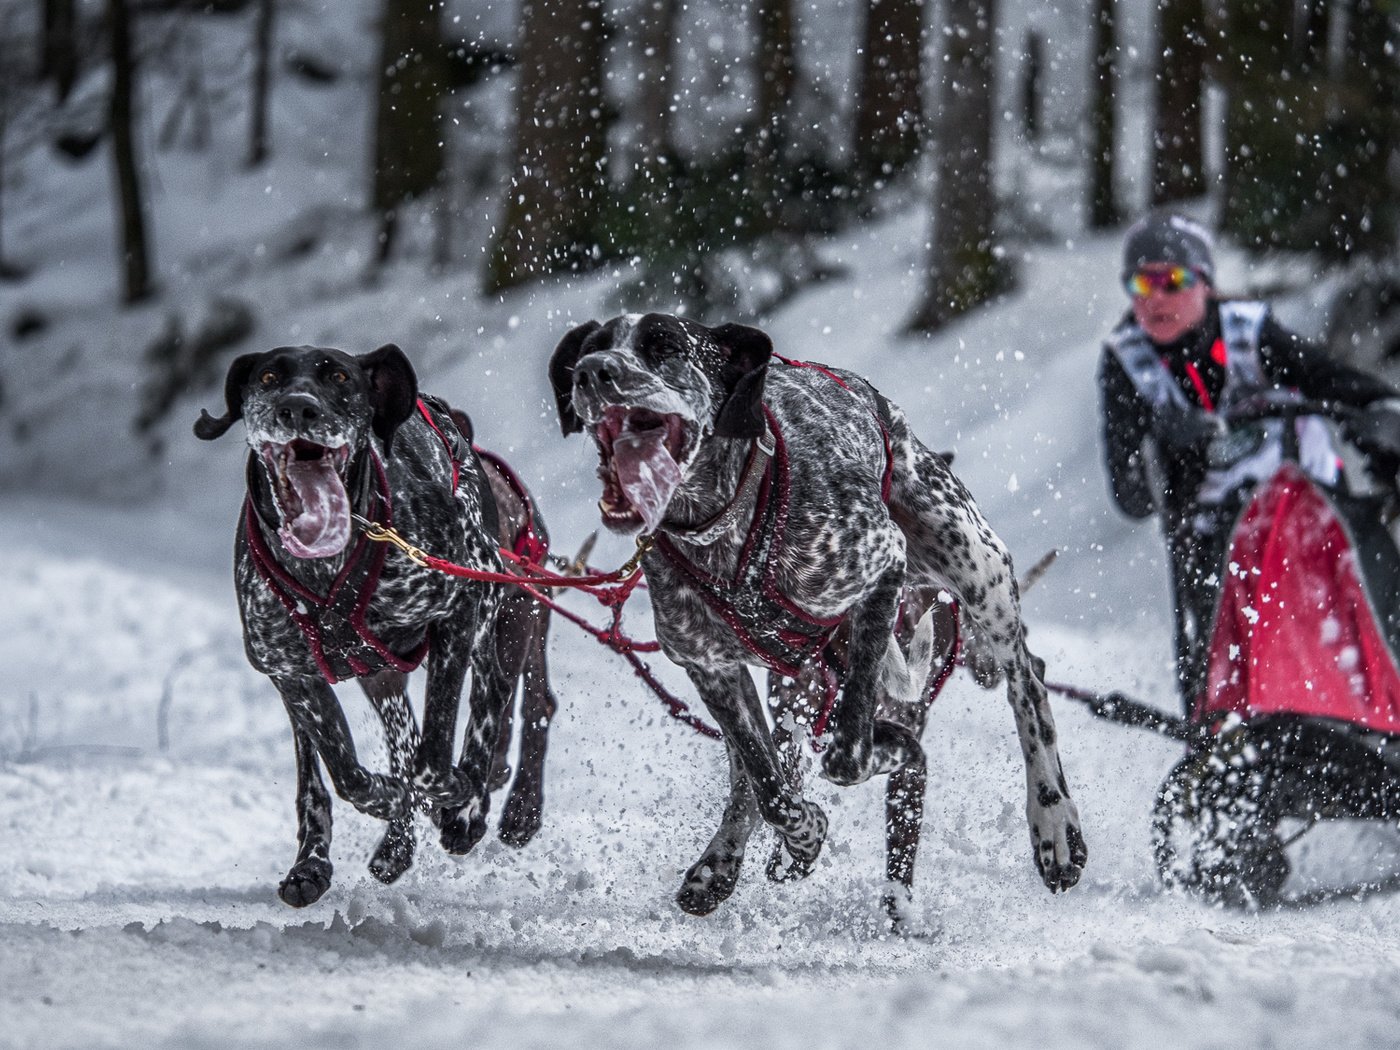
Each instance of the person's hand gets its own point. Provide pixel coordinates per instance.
(1184, 429)
(1375, 431)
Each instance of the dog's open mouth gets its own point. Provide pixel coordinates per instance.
(308, 483)
(639, 457)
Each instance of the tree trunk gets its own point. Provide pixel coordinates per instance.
(59, 49)
(889, 116)
(262, 84)
(1178, 146)
(656, 38)
(966, 267)
(772, 133)
(560, 140)
(1103, 125)
(1262, 155)
(6, 270)
(136, 264)
(1357, 191)
(1311, 19)
(1032, 76)
(408, 144)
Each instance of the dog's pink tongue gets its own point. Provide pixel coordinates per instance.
(323, 526)
(646, 473)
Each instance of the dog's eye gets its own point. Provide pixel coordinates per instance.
(268, 377)
(339, 376)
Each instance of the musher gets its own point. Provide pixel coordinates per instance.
(1180, 356)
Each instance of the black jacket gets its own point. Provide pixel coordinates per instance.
(1288, 361)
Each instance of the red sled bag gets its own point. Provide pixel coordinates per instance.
(1305, 625)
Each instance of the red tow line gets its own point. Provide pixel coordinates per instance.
(611, 589)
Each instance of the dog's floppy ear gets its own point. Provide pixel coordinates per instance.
(393, 389)
(206, 427)
(747, 352)
(561, 375)
(463, 423)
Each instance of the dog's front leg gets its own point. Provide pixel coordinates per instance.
(463, 816)
(310, 875)
(712, 878)
(861, 746)
(522, 812)
(733, 701)
(434, 774)
(388, 694)
(314, 710)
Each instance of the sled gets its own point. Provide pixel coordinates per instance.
(1299, 714)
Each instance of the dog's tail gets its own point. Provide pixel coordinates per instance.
(905, 680)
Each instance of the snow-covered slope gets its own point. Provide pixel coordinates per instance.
(145, 771)
(138, 900)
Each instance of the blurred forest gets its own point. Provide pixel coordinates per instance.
(708, 144)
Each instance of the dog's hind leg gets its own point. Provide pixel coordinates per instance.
(524, 806)
(434, 774)
(782, 867)
(904, 818)
(310, 874)
(934, 633)
(315, 712)
(949, 541)
(712, 878)
(388, 694)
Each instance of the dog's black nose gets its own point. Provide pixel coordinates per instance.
(296, 410)
(595, 370)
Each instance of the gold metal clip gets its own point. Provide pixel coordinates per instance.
(380, 534)
(645, 542)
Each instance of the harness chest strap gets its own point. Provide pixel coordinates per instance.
(341, 643)
(766, 622)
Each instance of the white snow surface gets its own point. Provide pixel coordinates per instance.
(138, 900)
(146, 777)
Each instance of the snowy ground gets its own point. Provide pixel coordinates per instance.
(145, 771)
(138, 903)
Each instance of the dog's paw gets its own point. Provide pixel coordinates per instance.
(461, 831)
(897, 902)
(446, 788)
(381, 797)
(394, 856)
(784, 867)
(521, 818)
(1058, 844)
(795, 853)
(305, 883)
(848, 760)
(896, 748)
(708, 884)
(500, 774)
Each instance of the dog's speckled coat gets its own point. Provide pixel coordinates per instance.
(844, 552)
(369, 403)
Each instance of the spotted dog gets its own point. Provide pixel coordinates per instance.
(334, 437)
(787, 502)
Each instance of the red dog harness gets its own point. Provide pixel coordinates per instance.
(765, 620)
(767, 623)
(334, 625)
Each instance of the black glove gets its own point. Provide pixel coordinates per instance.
(1183, 429)
(1375, 431)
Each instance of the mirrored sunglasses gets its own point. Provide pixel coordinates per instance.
(1173, 279)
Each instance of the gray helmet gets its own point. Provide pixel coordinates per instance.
(1163, 237)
